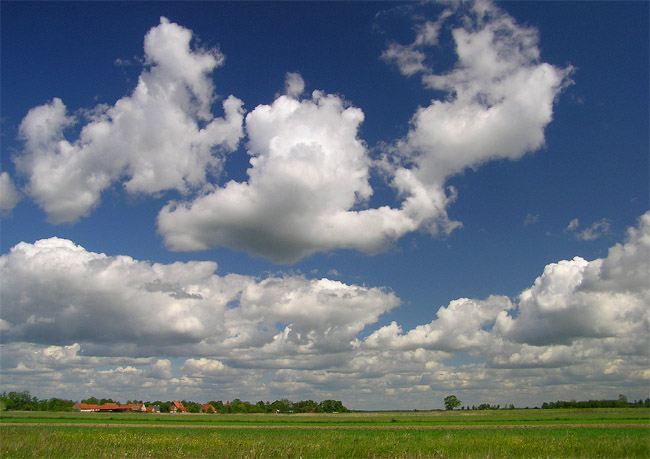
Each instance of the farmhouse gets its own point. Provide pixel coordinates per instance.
(86, 407)
(139, 407)
(177, 407)
(110, 408)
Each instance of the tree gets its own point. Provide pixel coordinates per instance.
(451, 402)
(331, 406)
(218, 406)
(305, 406)
(280, 406)
(237, 406)
(19, 401)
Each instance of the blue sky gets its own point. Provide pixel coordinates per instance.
(381, 203)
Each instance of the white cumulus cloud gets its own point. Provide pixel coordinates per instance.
(162, 136)
(575, 307)
(307, 184)
(500, 99)
(55, 292)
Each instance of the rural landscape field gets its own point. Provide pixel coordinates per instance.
(588, 433)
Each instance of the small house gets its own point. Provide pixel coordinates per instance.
(177, 407)
(86, 407)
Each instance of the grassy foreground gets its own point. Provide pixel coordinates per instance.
(518, 433)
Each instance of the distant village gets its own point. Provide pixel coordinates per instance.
(176, 407)
(24, 401)
(236, 406)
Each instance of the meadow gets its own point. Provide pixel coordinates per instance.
(508, 433)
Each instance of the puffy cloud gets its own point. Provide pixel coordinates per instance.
(409, 61)
(580, 299)
(56, 292)
(581, 328)
(204, 366)
(321, 315)
(294, 85)
(308, 178)
(459, 326)
(500, 99)
(161, 369)
(9, 196)
(577, 309)
(162, 136)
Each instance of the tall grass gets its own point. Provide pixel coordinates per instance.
(105, 442)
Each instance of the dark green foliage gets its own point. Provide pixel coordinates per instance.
(331, 406)
(165, 407)
(305, 406)
(451, 402)
(108, 400)
(487, 406)
(23, 401)
(191, 406)
(621, 402)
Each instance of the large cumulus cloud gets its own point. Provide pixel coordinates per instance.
(576, 298)
(162, 136)
(307, 182)
(576, 309)
(499, 99)
(56, 292)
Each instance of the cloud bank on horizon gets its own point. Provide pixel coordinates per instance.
(67, 311)
(75, 317)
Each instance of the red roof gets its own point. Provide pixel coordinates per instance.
(179, 405)
(133, 406)
(109, 406)
(88, 406)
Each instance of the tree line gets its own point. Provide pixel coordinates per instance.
(452, 402)
(621, 402)
(24, 401)
(239, 406)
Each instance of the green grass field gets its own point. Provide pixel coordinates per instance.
(518, 433)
